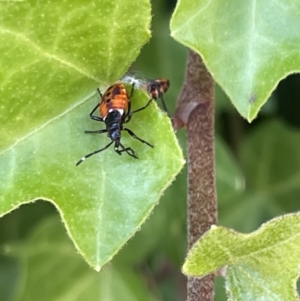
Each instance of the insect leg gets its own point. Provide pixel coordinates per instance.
(129, 104)
(133, 135)
(132, 90)
(128, 150)
(96, 132)
(97, 118)
(94, 153)
(99, 92)
(92, 116)
(129, 115)
(164, 104)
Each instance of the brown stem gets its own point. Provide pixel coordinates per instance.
(195, 110)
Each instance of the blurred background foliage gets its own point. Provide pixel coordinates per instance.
(258, 176)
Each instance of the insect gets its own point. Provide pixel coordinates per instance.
(157, 88)
(115, 110)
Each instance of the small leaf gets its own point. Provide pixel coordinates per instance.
(263, 265)
(248, 47)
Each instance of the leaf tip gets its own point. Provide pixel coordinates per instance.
(97, 268)
(185, 268)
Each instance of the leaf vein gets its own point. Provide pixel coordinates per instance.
(46, 54)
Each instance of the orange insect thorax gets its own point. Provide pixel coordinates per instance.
(114, 98)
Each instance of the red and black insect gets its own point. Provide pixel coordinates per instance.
(157, 88)
(115, 110)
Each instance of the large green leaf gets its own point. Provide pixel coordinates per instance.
(55, 54)
(46, 96)
(248, 47)
(263, 265)
(51, 270)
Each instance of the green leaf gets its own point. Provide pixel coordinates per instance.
(247, 47)
(55, 54)
(51, 270)
(262, 265)
(46, 103)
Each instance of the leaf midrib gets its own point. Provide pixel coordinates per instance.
(47, 54)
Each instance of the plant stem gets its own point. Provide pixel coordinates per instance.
(195, 110)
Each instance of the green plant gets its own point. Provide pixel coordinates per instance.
(53, 57)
